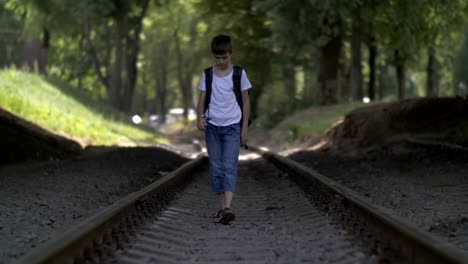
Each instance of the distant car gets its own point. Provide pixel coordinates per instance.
(172, 116)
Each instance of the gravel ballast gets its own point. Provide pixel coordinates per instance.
(38, 200)
(426, 184)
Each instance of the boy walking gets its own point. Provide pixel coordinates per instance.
(223, 114)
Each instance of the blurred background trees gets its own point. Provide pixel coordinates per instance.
(146, 56)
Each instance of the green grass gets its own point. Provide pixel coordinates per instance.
(56, 106)
(312, 122)
(320, 123)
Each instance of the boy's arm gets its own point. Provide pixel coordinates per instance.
(246, 112)
(201, 122)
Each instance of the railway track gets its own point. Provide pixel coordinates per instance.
(286, 213)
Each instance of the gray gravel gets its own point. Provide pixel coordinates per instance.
(38, 200)
(275, 223)
(426, 184)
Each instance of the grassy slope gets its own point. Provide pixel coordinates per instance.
(315, 120)
(304, 125)
(58, 107)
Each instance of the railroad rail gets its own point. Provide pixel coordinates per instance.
(382, 231)
(314, 221)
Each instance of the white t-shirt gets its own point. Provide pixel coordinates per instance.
(223, 109)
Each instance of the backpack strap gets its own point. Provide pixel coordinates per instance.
(208, 81)
(236, 79)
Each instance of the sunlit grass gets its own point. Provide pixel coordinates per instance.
(320, 122)
(56, 106)
(311, 122)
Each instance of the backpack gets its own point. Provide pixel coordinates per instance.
(236, 79)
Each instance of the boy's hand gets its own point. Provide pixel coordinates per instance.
(244, 137)
(201, 123)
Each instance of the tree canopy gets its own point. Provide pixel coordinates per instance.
(147, 55)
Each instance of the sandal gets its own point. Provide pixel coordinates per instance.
(218, 217)
(228, 216)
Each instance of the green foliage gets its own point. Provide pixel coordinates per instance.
(11, 31)
(306, 123)
(275, 114)
(274, 106)
(247, 24)
(461, 69)
(267, 34)
(318, 124)
(59, 107)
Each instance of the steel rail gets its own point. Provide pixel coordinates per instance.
(100, 235)
(387, 235)
(390, 237)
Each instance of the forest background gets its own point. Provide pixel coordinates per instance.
(146, 56)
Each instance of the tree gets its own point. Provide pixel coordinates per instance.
(11, 32)
(245, 21)
(356, 56)
(461, 68)
(442, 19)
(185, 36)
(321, 25)
(74, 17)
(400, 28)
(127, 17)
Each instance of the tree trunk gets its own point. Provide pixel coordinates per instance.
(309, 82)
(372, 58)
(132, 49)
(185, 68)
(161, 92)
(91, 50)
(159, 65)
(81, 50)
(344, 83)
(116, 76)
(401, 75)
(306, 92)
(181, 73)
(130, 73)
(356, 57)
(289, 79)
(431, 75)
(188, 95)
(329, 63)
(382, 72)
(44, 52)
(35, 54)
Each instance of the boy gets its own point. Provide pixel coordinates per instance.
(224, 122)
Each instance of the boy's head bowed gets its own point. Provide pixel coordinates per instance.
(221, 44)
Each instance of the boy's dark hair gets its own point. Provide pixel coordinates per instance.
(221, 44)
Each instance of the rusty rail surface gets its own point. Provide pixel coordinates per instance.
(100, 235)
(391, 238)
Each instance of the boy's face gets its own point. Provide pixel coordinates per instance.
(222, 60)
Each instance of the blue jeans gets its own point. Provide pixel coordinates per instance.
(223, 144)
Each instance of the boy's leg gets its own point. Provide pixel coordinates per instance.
(230, 156)
(214, 148)
(219, 214)
(222, 200)
(227, 197)
(231, 145)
